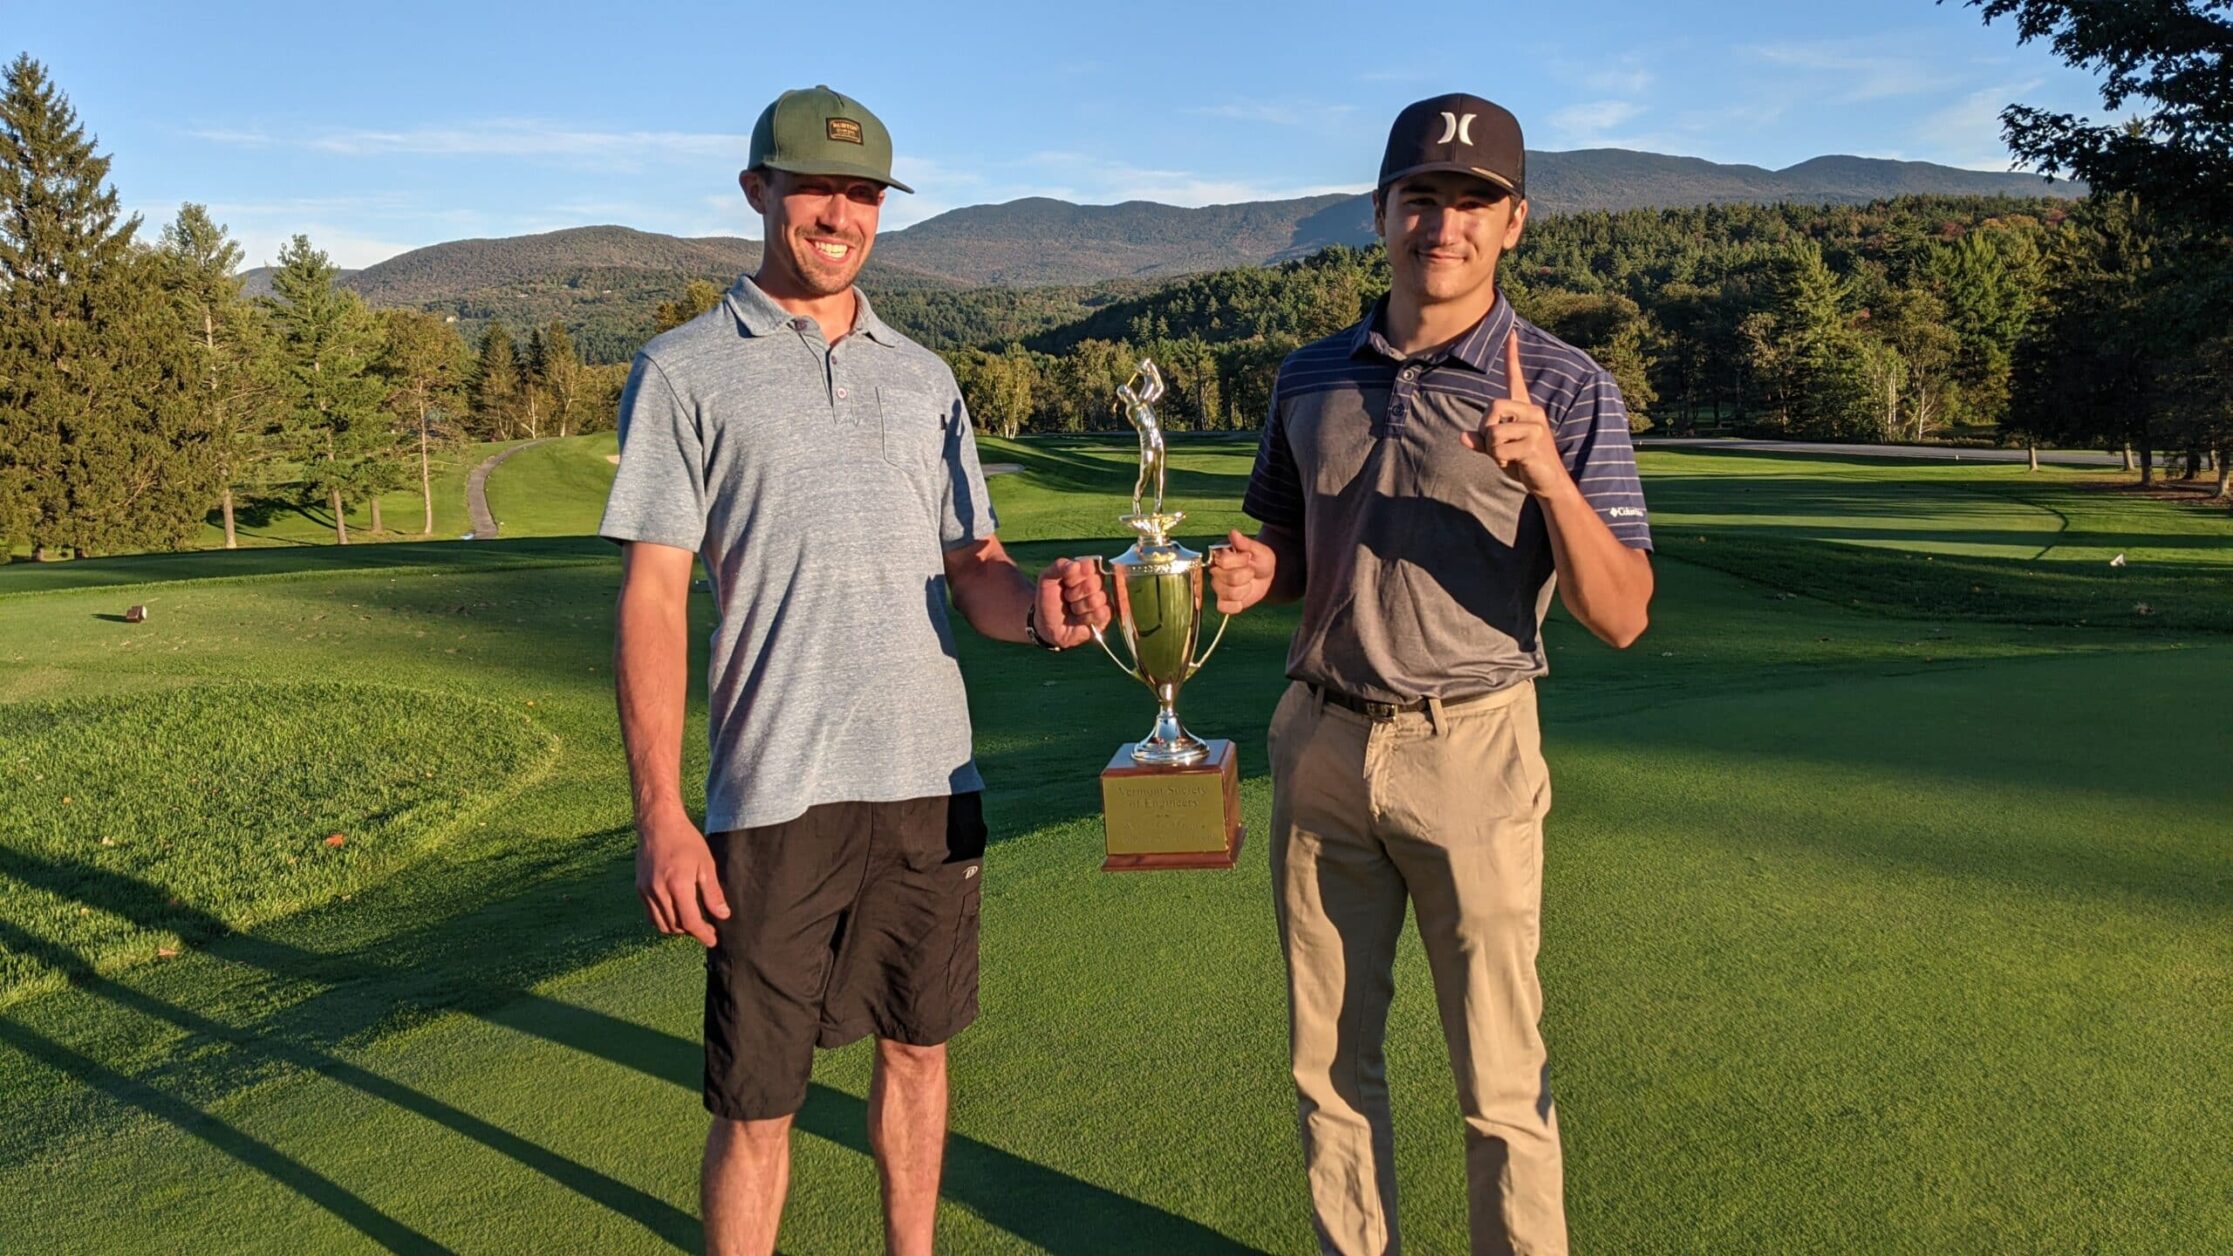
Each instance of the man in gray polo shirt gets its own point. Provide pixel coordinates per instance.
(822, 467)
(1424, 479)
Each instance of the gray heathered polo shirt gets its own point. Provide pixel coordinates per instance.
(821, 485)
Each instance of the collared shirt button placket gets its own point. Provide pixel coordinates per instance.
(1399, 405)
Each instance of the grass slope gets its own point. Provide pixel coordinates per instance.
(225, 798)
(1864, 931)
(554, 489)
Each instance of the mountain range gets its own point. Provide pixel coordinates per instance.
(611, 275)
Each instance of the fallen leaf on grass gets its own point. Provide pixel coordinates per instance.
(336, 839)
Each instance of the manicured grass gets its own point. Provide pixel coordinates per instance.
(554, 489)
(1990, 541)
(1867, 928)
(228, 799)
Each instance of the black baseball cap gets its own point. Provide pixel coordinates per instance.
(1457, 132)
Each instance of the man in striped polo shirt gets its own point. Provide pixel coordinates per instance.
(1425, 479)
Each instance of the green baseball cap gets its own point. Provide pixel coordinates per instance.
(814, 130)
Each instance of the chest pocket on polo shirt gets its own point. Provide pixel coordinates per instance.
(914, 427)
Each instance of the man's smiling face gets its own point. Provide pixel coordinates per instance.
(1445, 231)
(819, 228)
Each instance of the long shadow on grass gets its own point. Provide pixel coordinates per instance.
(1044, 1206)
(656, 1215)
(2043, 540)
(2178, 596)
(2031, 726)
(254, 1153)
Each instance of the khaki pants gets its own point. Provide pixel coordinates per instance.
(1444, 808)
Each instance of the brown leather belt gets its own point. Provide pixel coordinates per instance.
(1390, 710)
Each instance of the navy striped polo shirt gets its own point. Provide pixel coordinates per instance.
(1429, 570)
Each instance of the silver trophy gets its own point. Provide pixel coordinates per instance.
(1158, 590)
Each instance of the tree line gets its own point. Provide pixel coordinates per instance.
(1911, 319)
(2098, 323)
(2132, 346)
(142, 394)
(1897, 320)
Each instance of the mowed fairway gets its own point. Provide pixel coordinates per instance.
(1889, 900)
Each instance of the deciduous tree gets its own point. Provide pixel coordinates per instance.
(423, 363)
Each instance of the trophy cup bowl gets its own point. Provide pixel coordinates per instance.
(1159, 613)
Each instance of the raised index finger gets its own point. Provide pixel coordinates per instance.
(1516, 383)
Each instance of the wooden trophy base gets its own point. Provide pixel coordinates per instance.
(1172, 817)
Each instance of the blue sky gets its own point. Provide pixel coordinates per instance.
(380, 129)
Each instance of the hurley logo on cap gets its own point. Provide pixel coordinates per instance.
(1455, 127)
(845, 130)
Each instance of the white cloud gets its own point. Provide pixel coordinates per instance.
(1852, 71)
(1624, 78)
(296, 206)
(350, 250)
(1278, 112)
(1405, 75)
(501, 137)
(1967, 132)
(354, 231)
(1088, 179)
(1585, 123)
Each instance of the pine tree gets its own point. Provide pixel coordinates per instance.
(2094, 369)
(328, 344)
(98, 445)
(423, 363)
(1826, 386)
(532, 401)
(238, 384)
(493, 388)
(1988, 280)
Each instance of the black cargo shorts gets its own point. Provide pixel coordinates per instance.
(856, 918)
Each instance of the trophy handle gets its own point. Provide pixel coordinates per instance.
(1209, 561)
(1196, 665)
(1132, 669)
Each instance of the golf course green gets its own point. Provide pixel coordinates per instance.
(1888, 897)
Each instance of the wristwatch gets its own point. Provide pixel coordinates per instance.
(1031, 630)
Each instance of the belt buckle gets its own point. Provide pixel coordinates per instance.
(1383, 711)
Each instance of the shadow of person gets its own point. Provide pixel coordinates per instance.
(1055, 1210)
